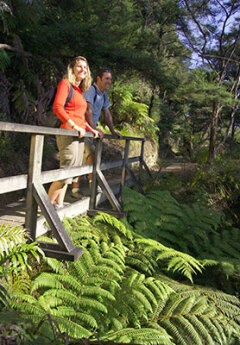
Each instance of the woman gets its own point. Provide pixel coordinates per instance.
(73, 118)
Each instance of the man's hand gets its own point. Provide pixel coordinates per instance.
(117, 134)
(100, 133)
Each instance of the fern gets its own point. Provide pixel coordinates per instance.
(109, 292)
(177, 261)
(3, 296)
(194, 320)
(140, 336)
(114, 222)
(195, 230)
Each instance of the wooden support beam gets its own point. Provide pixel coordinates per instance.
(147, 169)
(52, 217)
(55, 252)
(138, 185)
(106, 188)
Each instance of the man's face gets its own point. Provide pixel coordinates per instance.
(104, 83)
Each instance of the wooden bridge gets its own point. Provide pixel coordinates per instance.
(36, 195)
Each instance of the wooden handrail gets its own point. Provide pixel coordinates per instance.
(37, 196)
(22, 128)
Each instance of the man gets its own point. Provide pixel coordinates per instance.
(97, 102)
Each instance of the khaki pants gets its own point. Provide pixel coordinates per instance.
(71, 151)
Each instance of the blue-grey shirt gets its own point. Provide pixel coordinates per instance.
(98, 103)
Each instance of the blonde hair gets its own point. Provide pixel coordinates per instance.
(86, 82)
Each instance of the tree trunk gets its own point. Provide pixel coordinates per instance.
(213, 133)
(151, 105)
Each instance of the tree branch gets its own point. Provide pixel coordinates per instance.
(5, 46)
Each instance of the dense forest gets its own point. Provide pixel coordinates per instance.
(168, 273)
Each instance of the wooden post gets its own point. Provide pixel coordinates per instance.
(141, 160)
(125, 160)
(96, 167)
(34, 174)
(143, 163)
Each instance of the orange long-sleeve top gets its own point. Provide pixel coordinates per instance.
(75, 109)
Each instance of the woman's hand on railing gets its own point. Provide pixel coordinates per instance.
(81, 131)
(96, 134)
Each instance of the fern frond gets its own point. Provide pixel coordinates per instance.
(178, 261)
(140, 336)
(174, 331)
(10, 238)
(72, 328)
(114, 222)
(86, 319)
(3, 296)
(97, 291)
(93, 304)
(46, 280)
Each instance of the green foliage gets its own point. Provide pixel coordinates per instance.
(176, 261)
(109, 293)
(219, 182)
(16, 328)
(129, 110)
(195, 230)
(16, 260)
(140, 336)
(15, 252)
(4, 60)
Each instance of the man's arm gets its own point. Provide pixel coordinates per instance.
(89, 115)
(109, 122)
(89, 119)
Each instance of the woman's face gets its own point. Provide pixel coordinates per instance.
(80, 70)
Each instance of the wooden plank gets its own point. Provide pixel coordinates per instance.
(18, 182)
(110, 136)
(22, 128)
(13, 183)
(63, 173)
(116, 214)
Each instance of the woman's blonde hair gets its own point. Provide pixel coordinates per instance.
(86, 82)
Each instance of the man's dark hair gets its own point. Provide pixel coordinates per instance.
(102, 71)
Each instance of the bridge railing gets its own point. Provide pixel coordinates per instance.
(36, 195)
